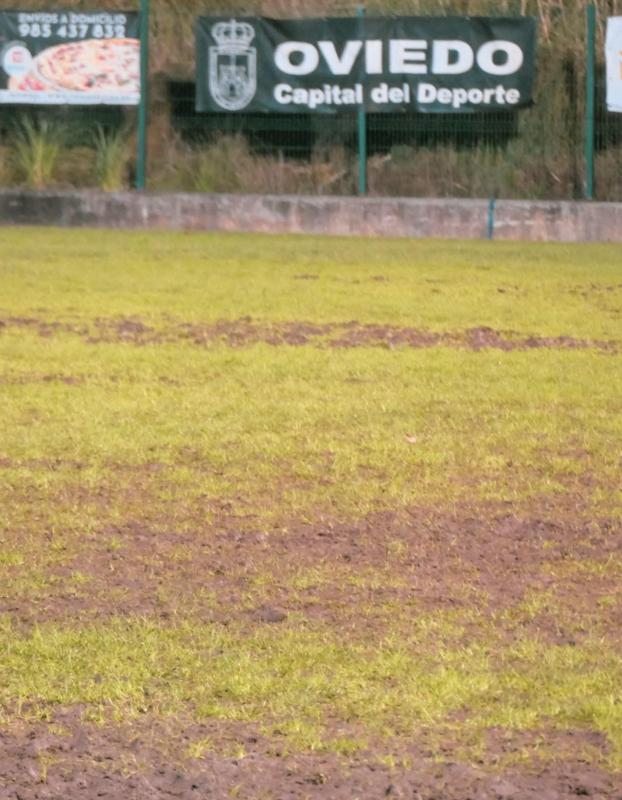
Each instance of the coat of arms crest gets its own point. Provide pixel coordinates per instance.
(233, 65)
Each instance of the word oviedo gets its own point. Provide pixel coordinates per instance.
(405, 57)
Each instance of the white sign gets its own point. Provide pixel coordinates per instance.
(613, 52)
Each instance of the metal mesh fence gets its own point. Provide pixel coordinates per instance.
(607, 144)
(533, 153)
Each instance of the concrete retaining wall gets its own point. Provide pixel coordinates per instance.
(465, 219)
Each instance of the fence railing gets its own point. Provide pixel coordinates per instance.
(567, 146)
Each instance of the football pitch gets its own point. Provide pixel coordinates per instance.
(308, 517)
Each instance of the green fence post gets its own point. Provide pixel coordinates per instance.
(490, 223)
(141, 153)
(362, 133)
(590, 101)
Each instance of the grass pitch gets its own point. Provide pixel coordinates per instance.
(346, 494)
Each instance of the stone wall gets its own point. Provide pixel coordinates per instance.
(441, 218)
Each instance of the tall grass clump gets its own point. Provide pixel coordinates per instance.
(37, 146)
(111, 158)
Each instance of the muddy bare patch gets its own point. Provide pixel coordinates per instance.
(245, 332)
(72, 758)
(43, 328)
(353, 577)
(542, 572)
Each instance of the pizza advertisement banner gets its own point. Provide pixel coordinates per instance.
(381, 64)
(69, 58)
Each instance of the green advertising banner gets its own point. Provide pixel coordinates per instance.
(69, 57)
(380, 64)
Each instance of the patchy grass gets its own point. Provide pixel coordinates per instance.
(288, 431)
(304, 684)
(544, 289)
(154, 482)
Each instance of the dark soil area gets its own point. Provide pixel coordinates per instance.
(245, 332)
(82, 760)
(489, 559)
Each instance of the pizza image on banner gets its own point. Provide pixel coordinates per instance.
(110, 66)
(101, 65)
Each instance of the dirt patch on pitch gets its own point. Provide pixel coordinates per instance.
(156, 759)
(246, 332)
(542, 571)
(549, 573)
